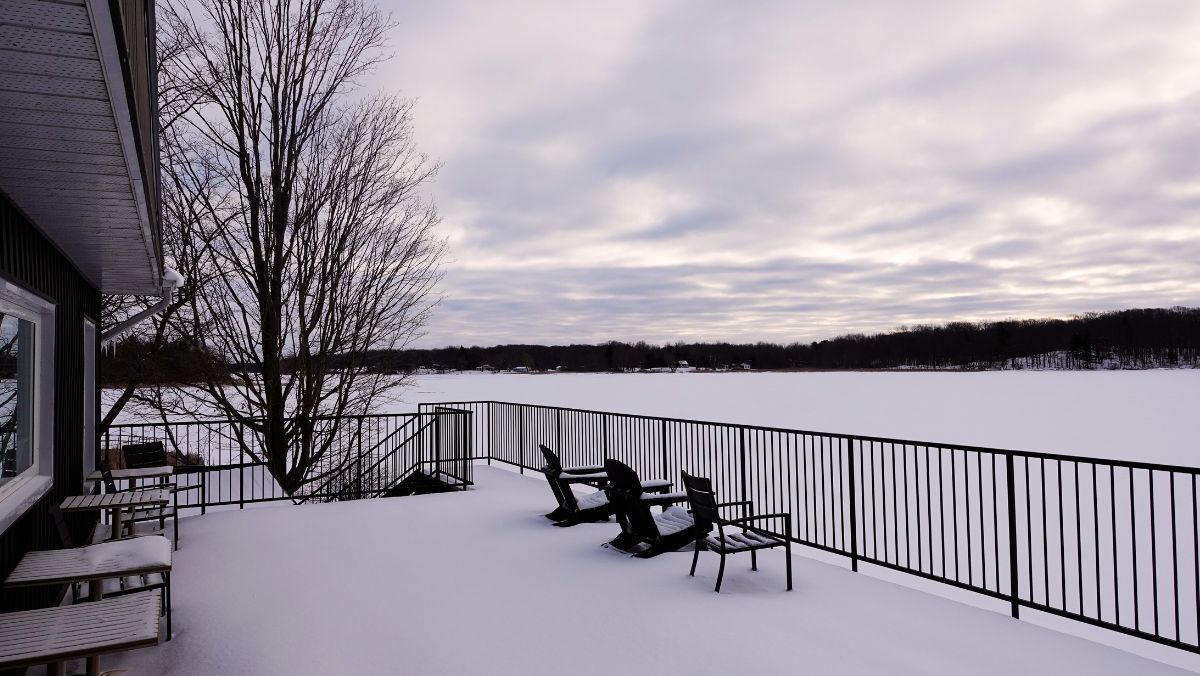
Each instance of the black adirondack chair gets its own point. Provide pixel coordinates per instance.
(643, 533)
(572, 509)
(706, 512)
(593, 507)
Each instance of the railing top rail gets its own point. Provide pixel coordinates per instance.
(1131, 464)
(181, 423)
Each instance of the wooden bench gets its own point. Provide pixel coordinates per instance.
(53, 635)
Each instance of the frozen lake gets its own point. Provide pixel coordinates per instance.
(1142, 415)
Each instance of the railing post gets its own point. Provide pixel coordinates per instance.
(663, 437)
(1013, 591)
(358, 462)
(604, 435)
(521, 437)
(558, 431)
(742, 463)
(853, 512)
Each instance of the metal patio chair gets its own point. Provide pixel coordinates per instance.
(706, 512)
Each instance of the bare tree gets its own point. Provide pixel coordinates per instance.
(298, 218)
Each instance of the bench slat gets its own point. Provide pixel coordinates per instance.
(67, 632)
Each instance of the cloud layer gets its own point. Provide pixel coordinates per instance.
(789, 171)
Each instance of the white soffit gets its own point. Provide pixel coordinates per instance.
(68, 157)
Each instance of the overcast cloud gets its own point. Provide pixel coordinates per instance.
(790, 171)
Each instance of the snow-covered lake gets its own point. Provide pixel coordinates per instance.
(1138, 415)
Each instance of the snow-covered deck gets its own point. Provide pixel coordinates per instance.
(480, 583)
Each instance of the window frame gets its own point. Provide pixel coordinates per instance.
(24, 490)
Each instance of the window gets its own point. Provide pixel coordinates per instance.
(18, 347)
(26, 400)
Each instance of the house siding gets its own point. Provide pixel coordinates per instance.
(31, 261)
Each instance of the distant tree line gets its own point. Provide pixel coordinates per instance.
(1125, 339)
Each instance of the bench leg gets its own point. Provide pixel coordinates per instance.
(56, 669)
(167, 603)
(117, 515)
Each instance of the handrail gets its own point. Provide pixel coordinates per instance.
(1078, 537)
(1119, 462)
(366, 472)
(338, 471)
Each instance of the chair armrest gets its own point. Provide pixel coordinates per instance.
(758, 517)
(656, 486)
(590, 469)
(184, 489)
(664, 498)
(746, 505)
(745, 521)
(583, 478)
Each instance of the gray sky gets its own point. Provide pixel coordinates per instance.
(789, 171)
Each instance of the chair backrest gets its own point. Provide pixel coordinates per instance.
(625, 493)
(60, 524)
(553, 464)
(148, 454)
(703, 501)
(623, 478)
(109, 484)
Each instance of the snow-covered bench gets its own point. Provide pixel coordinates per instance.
(53, 635)
(150, 577)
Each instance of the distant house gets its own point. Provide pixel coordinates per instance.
(745, 366)
(520, 369)
(79, 216)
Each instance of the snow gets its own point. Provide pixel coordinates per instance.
(480, 583)
(672, 520)
(1142, 415)
(151, 551)
(592, 500)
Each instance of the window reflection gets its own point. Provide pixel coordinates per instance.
(16, 396)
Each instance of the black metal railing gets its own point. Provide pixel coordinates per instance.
(363, 456)
(1111, 543)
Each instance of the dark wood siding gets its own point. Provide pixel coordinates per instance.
(29, 260)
